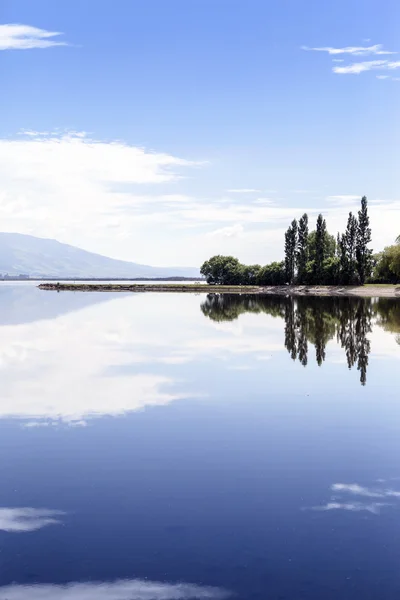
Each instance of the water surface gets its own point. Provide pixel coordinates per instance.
(189, 446)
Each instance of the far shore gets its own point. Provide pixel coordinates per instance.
(366, 291)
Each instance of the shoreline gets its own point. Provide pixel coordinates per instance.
(368, 291)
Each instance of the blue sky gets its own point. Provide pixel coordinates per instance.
(138, 128)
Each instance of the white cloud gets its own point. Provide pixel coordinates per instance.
(231, 231)
(53, 184)
(388, 77)
(104, 196)
(369, 65)
(264, 201)
(357, 68)
(243, 191)
(377, 49)
(126, 589)
(344, 199)
(18, 520)
(24, 37)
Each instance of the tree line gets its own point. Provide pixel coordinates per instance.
(315, 258)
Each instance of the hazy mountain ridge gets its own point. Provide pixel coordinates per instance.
(39, 257)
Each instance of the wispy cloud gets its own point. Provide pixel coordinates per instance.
(388, 77)
(377, 49)
(230, 231)
(243, 191)
(356, 68)
(132, 589)
(264, 201)
(343, 199)
(18, 520)
(368, 65)
(15, 36)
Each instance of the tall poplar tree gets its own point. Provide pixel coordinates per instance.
(320, 249)
(302, 248)
(344, 275)
(290, 251)
(351, 247)
(363, 253)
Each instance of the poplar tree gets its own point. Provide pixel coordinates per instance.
(342, 255)
(320, 249)
(302, 248)
(363, 253)
(290, 251)
(351, 246)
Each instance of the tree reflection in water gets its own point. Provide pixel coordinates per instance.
(316, 320)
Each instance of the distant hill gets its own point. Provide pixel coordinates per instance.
(38, 257)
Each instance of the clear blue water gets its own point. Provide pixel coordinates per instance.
(162, 446)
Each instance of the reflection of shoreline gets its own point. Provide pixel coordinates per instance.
(315, 320)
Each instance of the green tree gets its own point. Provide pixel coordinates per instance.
(392, 256)
(290, 251)
(382, 271)
(363, 253)
(320, 249)
(222, 270)
(272, 274)
(344, 273)
(249, 274)
(330, 246)
(302, 249)
(331, 271)
(351, 246)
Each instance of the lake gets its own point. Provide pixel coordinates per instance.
(162, 447)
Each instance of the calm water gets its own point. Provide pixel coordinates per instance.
(178, 446)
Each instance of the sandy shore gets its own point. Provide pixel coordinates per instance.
(368, 291)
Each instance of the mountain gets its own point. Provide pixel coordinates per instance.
(38, 257)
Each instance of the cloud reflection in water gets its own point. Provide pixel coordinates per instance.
(131, 589)
(337, 502)
(127, 353)
(19, 520)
